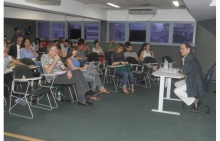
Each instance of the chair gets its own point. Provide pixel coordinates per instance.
(55, 88)
(93, 57)
(145, 72)
(23, 74)
(207, 79)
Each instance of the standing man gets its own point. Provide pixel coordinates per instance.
(193, 86)
(51, 63)
(16, 35)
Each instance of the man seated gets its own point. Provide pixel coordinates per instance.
(131, 53)
(193, 86)
(51, 63)
(81, 54)
(14, 50)
(65, 45)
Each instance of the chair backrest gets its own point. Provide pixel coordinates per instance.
(208, 76)
(131, 60)
(21, 71)
(169, 59)
(93, 57)
(27, 61)
(149, 60)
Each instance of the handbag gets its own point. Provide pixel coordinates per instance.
(126, 68)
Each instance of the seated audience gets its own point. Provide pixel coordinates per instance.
(192, 87)
(124, 71)
(60, 52)
(131, 53)
(92, 77)
(28, 52)
(127, 44)
(45, 42)
(8, 77)
(14, 50)
(147, 52)
(51, 63)
(65, 45)
(36, 44)
(142, 49)
(97, 48)
(81, 54)
(110, 47)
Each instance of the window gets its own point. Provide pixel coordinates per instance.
(117, 31)
(91, 31)
(159, 32)
(183, 32)
(137, 32)
(58, 30)
(43, 29)
(74, 30)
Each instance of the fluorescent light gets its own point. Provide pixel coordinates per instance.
(116, 6)
(176, 3)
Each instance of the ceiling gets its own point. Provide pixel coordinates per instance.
(199, 9)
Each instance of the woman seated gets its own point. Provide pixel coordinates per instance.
(119, 59)
(99, 50)
(147, 52)
(74, 64)
(28, 52)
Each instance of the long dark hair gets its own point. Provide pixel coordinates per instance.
(70, 50)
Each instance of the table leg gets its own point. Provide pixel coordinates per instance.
(161, 97)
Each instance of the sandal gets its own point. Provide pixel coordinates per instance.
(94, 98)
(125, 91)
(104, 91)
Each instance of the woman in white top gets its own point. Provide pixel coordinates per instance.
(97, 48)
(147, 52)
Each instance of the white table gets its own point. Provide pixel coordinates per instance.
(166, 75)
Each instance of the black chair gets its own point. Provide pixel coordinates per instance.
(203, 108)
(23, 74)
(27, 61)
(93, 57)
(143, 77)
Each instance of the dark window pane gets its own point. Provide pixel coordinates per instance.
(183, 33)
(74, 30)
(137, 32)
(117, 31)
(43, 29)
(58, 30)
(159, 32)
(91, 31)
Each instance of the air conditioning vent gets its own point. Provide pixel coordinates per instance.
(45, 2)
(142, 11)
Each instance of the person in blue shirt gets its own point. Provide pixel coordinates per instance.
(74, 64)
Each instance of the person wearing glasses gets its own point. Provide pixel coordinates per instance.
(51, 63)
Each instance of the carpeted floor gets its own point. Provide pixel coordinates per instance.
(118, 117)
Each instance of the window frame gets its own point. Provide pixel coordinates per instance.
(128, 31)
(126, 28)
(83, 30)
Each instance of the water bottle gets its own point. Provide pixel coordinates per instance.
(58, 95)
(21, 101)
(165, 64)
